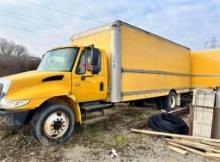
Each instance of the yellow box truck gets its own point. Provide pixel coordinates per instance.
(205, 68)
(110, 64)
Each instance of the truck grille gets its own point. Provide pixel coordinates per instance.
(1, 88)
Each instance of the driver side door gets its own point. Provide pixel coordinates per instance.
(86, 85)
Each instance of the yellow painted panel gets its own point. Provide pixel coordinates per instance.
(205, 82)
(144, 96)
(88, 90)
(146, 52)
(140, 82)
(206, 68)
(34, 88)
(101, 40)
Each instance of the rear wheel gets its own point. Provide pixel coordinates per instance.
(170, 101)
(53, 123)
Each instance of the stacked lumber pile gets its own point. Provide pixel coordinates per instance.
(203, 148)
(184, 144)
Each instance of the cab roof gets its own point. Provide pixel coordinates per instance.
(65, 46)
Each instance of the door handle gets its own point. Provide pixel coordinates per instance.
(101, 86)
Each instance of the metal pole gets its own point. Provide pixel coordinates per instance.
(216, 116)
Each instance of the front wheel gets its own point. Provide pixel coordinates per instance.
(53, 123)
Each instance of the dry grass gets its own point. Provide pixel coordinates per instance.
(20, 146)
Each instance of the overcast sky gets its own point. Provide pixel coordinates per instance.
(43, 24)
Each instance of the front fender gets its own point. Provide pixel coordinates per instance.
(76, 108)
(39, 93)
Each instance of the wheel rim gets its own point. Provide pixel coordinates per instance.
(56, 125)
(173, 102)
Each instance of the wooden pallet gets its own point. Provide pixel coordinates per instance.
(201, 112)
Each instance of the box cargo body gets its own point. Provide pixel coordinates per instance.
(141, 64)
(205, 68)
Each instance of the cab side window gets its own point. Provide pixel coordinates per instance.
(81, 69)
(87, 63)
(89, 66)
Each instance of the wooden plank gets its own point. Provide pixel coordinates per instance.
(174, 135)
(216, 145)
(190, 144)
(178, 150)
(212, 144)
(196, 145)
(188, 148)
(211, 154)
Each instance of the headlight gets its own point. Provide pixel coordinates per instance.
(5, 86)
(11, 104)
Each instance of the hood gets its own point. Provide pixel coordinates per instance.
(35, 77)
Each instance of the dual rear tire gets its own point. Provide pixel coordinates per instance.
(167, 103)
(170, 101)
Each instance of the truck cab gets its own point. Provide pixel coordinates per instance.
(49, 98)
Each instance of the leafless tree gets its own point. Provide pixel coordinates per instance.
(15, 58)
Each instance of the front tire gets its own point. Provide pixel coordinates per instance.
(53, 123)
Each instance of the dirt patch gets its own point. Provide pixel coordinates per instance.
(94, 143)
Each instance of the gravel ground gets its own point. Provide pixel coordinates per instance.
(95, 142)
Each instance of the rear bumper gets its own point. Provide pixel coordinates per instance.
(12, 120)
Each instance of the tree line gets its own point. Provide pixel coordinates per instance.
(15, 58)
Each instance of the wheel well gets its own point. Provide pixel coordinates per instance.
(64, 100)
(61, 99)
(173, 90)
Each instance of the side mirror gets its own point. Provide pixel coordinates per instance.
(95, 56)
(95, 53)
(95, 70)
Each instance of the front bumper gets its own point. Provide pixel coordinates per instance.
(13, 120)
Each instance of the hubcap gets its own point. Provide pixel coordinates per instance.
(173, 102)
(56, 125)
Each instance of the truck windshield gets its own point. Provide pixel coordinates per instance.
(58, 60)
